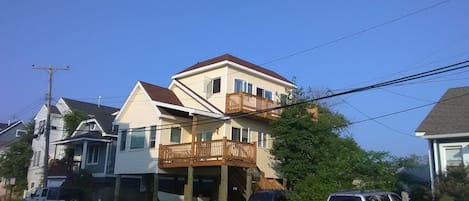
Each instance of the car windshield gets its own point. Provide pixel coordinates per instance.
(344, 198)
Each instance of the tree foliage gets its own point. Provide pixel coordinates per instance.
(73, 119)
(14, 163)
(454, 185)
(317, 159)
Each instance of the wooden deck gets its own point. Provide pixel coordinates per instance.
(209, 153)
(241, 102)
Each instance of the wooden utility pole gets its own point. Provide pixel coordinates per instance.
(51, 71)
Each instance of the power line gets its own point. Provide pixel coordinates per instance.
(357, 33)
(428, 73)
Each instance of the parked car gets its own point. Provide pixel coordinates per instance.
(55, 194)
(370, 195)
(268, 195)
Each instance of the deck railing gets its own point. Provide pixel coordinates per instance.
(241, 102)
(208, 153)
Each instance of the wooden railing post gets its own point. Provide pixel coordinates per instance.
(225, 150)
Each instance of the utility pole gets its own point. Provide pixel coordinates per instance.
(51, 71)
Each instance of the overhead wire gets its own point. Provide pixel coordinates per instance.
(357, 32)
(436, 71)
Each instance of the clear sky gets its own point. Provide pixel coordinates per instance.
(112, 44)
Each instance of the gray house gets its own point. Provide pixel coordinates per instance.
(93, 147)
(446, 128)
(9, 133)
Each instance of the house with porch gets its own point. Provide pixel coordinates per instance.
(446, 128)
(205, 136)
(91, 146)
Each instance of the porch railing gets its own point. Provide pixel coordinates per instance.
(241, 102)
(208, 153)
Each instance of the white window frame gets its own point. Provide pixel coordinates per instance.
(152, 141)
(246, 86)
(132, 134)
(171, 134)
(17, 134)
(241, 129)
(93, 153)
(262, 139)
(446, 148)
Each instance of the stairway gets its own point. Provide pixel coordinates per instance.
(263, 183)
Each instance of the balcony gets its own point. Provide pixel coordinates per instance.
(241, 102)
(209, 153)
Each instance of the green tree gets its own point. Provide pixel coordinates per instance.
(14, 163)
(454, 185)
(73, 119)
(317, 159)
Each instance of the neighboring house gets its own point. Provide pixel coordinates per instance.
(9, 133)
(202, 136)
(93, 139)
(94, 147)
(446, 128)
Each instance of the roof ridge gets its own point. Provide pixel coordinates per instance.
(229, 57)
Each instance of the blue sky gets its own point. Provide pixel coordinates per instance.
(112, 44)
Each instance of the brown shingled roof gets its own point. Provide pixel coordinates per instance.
(450, 114)
(161, 94)
(237, 60)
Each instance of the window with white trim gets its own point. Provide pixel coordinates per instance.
(262, 139)
(175, 136)
(152, 137)
(205, 136)
(137, 138)
(92, 155)
(242, 86)
(453, 156)
(20, 133)
(240, 134)
(212, 86)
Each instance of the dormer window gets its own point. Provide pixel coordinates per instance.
(92, 126)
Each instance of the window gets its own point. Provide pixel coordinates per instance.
(241, 135)
(41, 127)
(20, 133)
(137, 138)
(268, 94)
(235, 133)
(36, 158)
(262, 139)
(283, 99)
(92, 155)
(92, 126)
(216, 85)
(175, 135)
(453, 156)
(53, 127)
(242, 85)
(245, 135)
(123, 140)
(206, 136)
(152, 137)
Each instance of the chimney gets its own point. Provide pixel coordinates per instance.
(9, 122)
(99, 101)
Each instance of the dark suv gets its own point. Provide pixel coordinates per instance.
(268, 195)
(370, 195)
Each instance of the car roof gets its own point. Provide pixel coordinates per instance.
(364, 193)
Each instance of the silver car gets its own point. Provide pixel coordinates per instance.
(371, 195)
